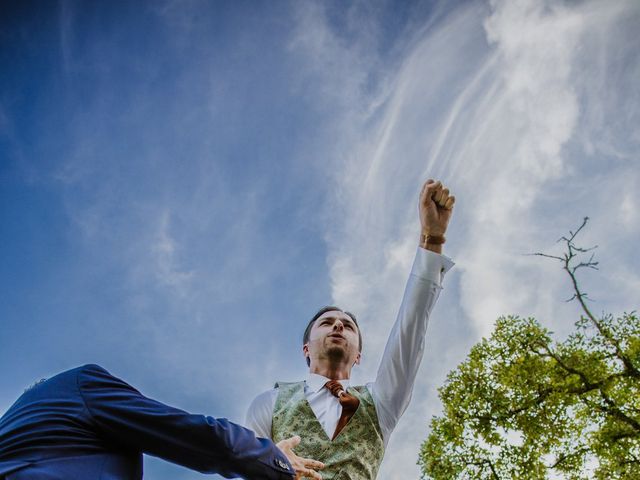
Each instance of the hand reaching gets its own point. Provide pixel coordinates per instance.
(304, 467)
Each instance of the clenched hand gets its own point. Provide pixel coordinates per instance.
(436, 205)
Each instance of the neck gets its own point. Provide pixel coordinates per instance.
(334, 372)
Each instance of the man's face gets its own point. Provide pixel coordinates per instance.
(333, 337)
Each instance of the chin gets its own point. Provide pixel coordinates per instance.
(336, 353)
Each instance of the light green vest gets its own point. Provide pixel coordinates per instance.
(357, 451)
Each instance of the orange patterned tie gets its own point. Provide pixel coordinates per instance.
(349, 404)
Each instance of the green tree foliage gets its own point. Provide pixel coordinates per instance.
(523, 406)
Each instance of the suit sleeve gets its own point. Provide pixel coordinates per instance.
(202, 443)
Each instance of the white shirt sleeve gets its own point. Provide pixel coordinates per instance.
(403, 353)
(260, 412)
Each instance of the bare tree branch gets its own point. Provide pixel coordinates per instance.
(571, 268)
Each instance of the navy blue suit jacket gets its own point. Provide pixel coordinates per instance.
(85, 424)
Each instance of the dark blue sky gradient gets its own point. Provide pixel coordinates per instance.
(183, 183)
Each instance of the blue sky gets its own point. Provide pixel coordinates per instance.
(183, 183)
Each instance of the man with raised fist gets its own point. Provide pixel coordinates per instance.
(344, 426)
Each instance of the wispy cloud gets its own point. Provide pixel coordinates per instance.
(489, 99)
(167, 196)
(205, 156)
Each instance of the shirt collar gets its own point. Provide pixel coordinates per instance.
(315, 382)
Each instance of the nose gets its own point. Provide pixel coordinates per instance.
(338, 325)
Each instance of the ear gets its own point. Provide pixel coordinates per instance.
(357, 362)
(305, 350)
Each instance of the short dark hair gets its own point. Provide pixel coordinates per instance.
(319, 313)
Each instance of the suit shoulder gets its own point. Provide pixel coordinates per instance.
(93, 372)
(92, 368)
(89, 368)
(71, 375)
(91, 376)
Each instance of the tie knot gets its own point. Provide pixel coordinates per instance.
(348, 401)
(335, 388)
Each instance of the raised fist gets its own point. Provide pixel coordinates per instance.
(436, 205)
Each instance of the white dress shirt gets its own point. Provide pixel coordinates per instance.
(391, 390)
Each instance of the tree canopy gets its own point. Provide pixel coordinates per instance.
(525, 406)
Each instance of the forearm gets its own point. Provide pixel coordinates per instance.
(202, 443)
(405, 346)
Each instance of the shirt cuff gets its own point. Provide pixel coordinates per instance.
(431, 266)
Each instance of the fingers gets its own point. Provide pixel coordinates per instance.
(310, 463)
(429, 189)
(289, 443)
(434, 190)
(307, 473)
(449, 203)
(307, 469)
(428, 182)
(423, 195)
(293, 441)
(309, 466)
(441, 196)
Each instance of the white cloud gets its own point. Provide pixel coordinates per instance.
(528, 109)
(495, 102)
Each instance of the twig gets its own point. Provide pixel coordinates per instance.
(567, 260)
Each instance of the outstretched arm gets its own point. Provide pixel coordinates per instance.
(202, 443)
(405, 346)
